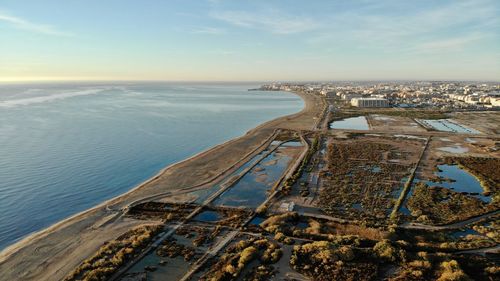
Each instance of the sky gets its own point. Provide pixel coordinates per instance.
(258, 40)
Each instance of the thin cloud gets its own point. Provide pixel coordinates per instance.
(448, 44)
(428, 27)
(30, 26)
(271, 21)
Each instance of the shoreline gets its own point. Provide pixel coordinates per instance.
(14, 253)
(4, 253)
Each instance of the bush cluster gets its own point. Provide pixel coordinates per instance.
(114, 254)
(325, 260)
(234, 260)
(439, 205)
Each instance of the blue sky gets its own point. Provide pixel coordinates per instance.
(249, 40)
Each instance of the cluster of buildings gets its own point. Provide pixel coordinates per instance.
(439, 95)
(478, 98)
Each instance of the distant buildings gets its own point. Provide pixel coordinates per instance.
(369, 102)
(423, 94)
(328, 94)
(350, 96)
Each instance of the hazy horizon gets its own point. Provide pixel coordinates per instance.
(249, 41)
(103, 81)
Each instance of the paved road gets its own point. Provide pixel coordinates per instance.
(407, 187)
(452, 226)
(448, 226)
(483, 252)
(325, 217)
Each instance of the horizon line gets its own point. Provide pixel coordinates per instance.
(85, 80)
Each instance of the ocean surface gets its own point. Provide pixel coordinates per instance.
(67, 147)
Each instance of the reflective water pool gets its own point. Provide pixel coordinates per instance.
(464, 232)
(447, 125)
(454, 149)
(352, 123)
(208, 216)
(257, 220)
(462, 181)
(203, 194)
(251, 190)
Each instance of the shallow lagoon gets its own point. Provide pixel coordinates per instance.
(251, 190)
(203, 194)
(463, 181)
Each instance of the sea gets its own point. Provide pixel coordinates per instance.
(66, 147)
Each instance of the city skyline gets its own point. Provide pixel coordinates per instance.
(249, 40)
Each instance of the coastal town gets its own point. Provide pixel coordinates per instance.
(368, 182)
(435, 95)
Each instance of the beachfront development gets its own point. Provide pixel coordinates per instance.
(334, 192)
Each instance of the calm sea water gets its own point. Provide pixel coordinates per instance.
(65, 147)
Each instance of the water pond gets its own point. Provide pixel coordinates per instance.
(447, 125)
(208, 216)
(203, 194)
(462, 181)
(257, 220)
(251, 190)
(302, 225)
(383, 118)
(464, 232)
(357, 206)
(352, 123)
(457, 149)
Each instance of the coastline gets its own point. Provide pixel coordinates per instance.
(43, 254)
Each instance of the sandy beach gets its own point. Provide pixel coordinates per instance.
(51, 253)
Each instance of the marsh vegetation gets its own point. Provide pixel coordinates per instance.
(365, 177)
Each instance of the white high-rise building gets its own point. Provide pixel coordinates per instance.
(370, 102)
